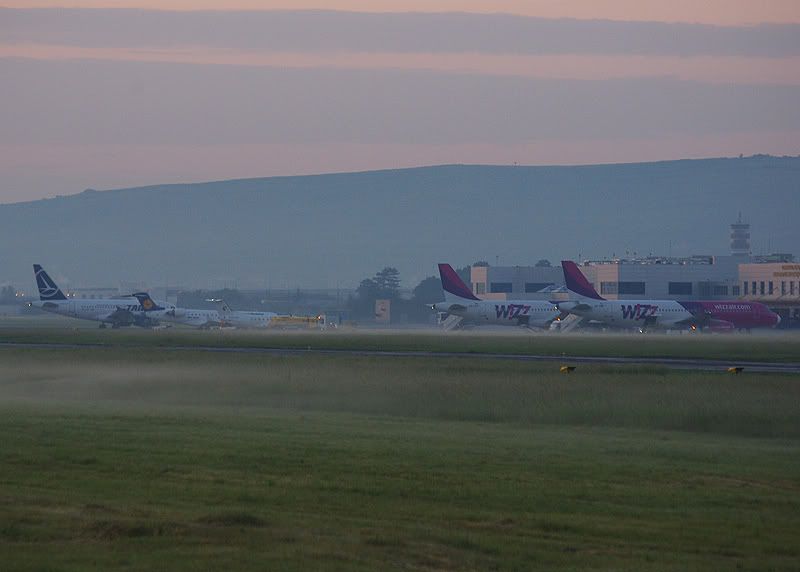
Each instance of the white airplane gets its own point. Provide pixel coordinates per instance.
(196, 318)
(242, 318)
(716, 316)
(225, 317)
(460, 301)
(115, 312)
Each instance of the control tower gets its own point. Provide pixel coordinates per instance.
(740, 238)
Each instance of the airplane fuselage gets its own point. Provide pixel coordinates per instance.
(635, 314)
(100, 310)
(214, 318)
(671, 314)
(243, 319)
(533, 313)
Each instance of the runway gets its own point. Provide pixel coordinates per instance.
(672, 363)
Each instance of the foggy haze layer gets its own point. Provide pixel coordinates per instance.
(334, 230)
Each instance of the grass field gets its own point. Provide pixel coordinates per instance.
(768, 346)
(135, 458)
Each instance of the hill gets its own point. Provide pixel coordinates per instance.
(329, 230)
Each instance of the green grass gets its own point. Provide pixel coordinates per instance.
(458, 389)
(768, 346)
(116, 459)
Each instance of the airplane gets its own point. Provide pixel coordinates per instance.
(715, 316)
(225, 317)
(460, 301)
(116, 312)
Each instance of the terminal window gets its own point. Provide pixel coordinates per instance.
(771, 288)
(761, 287)
(791, 287)
(631, 287)
(720, 290)
(480, 288)
(536, 286)
(783, 287)
(608, 287)
(680, 288)
(735, 289)
(745, 288)
(753, 292)
(501, 287)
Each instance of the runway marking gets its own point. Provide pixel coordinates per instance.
(673, 363)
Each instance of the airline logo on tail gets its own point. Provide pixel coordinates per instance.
(577, 282)
(48, 289)
(146, 302)
(453, 285)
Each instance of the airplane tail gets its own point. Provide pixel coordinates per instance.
(146, 302)
(222, 307)
(48, 289)
(577, 282)
(453, 286)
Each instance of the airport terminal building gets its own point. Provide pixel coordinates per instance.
(776, 284)
(773, 280)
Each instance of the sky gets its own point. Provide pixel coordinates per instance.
(101, 94)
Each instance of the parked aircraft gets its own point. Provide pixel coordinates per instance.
(224, 316)
(115, 312)
(461, 302)
(717, 316)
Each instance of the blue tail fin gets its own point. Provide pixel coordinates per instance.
(48, 289)
(146, 302)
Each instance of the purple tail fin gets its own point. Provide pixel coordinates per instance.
(577, 282)
(452, 283)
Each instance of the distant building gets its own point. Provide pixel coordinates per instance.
(740, 238)
(775, 284)
(707, 277)
(524, 282)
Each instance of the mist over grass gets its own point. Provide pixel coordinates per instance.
(463, 389)
(142, 458)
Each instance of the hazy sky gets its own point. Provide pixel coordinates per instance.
(99, 97)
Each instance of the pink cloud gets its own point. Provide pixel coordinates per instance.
(713, 69)
(722, 12)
